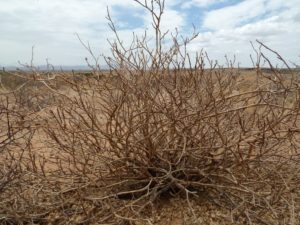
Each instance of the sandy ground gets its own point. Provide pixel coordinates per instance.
(169, 211)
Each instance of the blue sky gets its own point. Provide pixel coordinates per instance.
(225, 26)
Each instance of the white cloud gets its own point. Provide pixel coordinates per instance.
(51, 27)
(171, 19)
(275, 22)
(200, 3)
(231, 16)
(280, 32)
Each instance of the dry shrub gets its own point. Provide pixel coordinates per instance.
(163, 124)
(183, 132)
(32, 89)
(14, 138)
(21, 95)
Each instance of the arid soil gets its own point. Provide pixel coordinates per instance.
(49, 177)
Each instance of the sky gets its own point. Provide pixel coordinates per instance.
(225, 27)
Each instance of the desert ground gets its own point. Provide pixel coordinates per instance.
(182, 146)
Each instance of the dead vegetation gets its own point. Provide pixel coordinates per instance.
(161, 128)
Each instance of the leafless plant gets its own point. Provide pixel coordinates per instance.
(162, 123)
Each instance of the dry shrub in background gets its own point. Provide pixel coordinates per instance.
(163, 124)
(32, 89)
(23, 95)
(15, 136)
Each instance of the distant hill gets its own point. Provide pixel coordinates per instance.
(57, 68)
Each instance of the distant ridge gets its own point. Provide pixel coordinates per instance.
(56, 68)
(105, 67)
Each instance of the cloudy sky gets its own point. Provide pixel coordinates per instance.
(225, 26)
